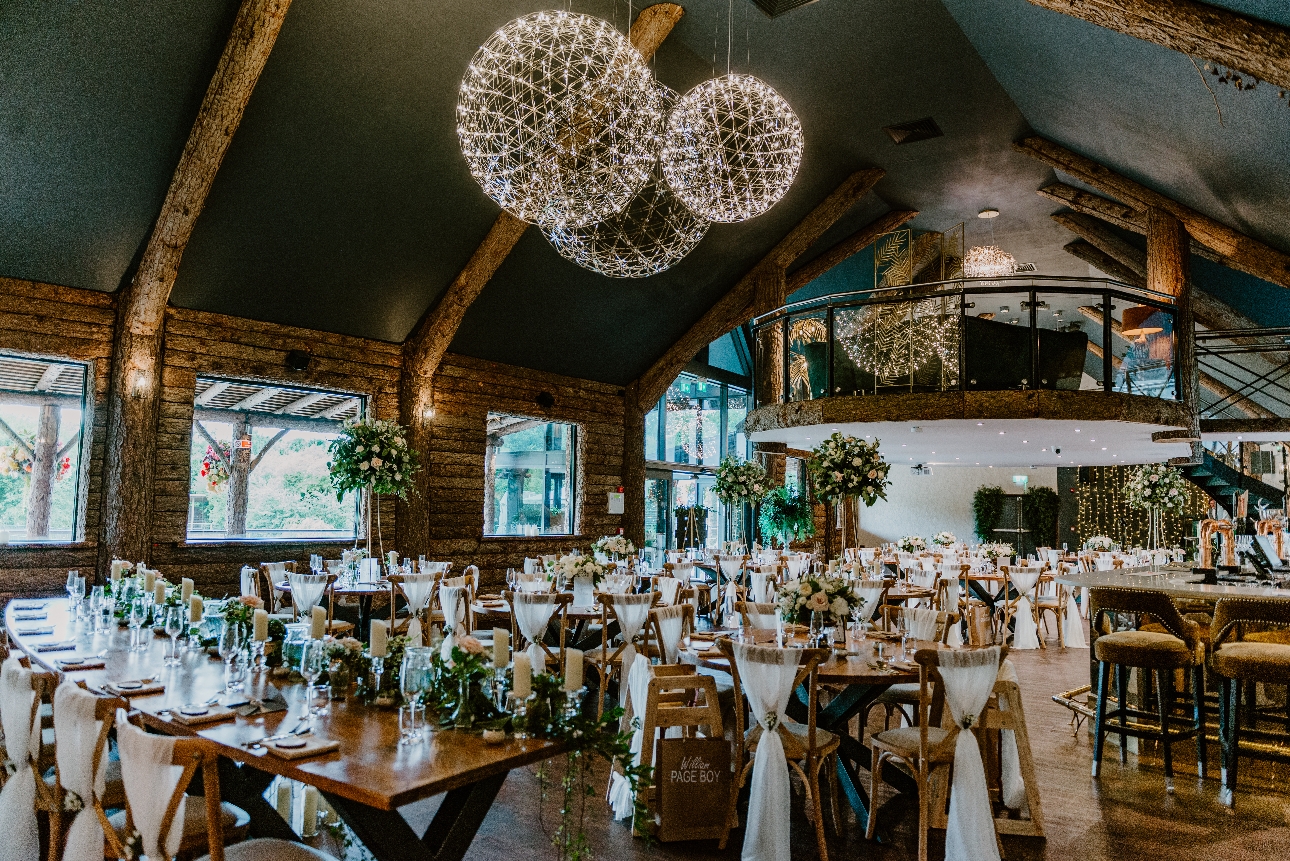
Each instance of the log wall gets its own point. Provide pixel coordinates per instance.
(65, 323)
(61, 323)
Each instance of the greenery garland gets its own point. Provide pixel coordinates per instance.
(787, 515)
(987, 507)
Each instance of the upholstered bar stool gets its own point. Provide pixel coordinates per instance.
(1243, 653)
(1161, 652)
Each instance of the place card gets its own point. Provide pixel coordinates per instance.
(72, 664)
(300, 747)
(36, 632)
(56, 647)
(198, 713)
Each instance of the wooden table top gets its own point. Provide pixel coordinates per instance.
(499, 607)
(378, 588)
(370, 767)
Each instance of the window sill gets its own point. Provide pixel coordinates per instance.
(208, 542)
(550, 537)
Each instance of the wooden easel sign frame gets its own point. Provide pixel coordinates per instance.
(693, 780)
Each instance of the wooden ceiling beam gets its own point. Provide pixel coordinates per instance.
(762, 289)
(1258, 48)
(1114, 212)
(425, 348)
(1103, 262)
(853, 244)
(1099, 235)
(1242, 252)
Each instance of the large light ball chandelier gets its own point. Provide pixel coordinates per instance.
(732, 148)
(558, 118)
(988, 261)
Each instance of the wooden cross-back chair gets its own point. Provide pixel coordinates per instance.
(399, 626)
(559, 616)
(607, 664)
(265, 585)
(943, 584)
(42, 688)
(114, 795)
(749, 610)
(335, 627)
(655, 624)
(806, 747)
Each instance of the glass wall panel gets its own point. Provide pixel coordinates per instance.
(693, 429)
(651, 435)
(1069, 332)
(736, 412)
(808, 350)
(897, 346)
(1145, 334)
(997, 342)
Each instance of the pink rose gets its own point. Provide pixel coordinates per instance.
(253, 602)
(819, 602)
(470, 645)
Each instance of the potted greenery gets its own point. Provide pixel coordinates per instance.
(786, 515)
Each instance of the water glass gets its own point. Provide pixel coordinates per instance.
(175, 622)
(319, 699)
(138, 612)
(230, 649)
(312, 662)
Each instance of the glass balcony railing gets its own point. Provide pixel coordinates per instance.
(998, 334)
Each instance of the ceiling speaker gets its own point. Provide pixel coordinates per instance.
(297, 360)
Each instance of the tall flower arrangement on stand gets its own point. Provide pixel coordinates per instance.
(741, 483)
(373, 457)
(845, 467)
(1158, 487)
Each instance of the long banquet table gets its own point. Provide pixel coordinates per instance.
(366, 780)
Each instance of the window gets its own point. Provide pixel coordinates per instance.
(529, 469)
(259, 462)
(42, 410)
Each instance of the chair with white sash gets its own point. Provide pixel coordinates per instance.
(757, 614)
(531, 616)
(965, 680)
(21, 692)
(84, 785)
(610, 661)
(668, 589)
(764, 680)
(157, 770)
(1021, 609)
(928, 626)
(264, 581)
(670, 626)
(416, 591)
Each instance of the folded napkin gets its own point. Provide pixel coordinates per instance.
(313, 746)
(274, 702)
(27, 605)
(67, 664)
(128, 689)
(56, 647)
(36, 632)
(200, 714)
(30, 617)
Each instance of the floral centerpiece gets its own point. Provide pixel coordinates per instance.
(1099, 544)
(1161, 489)
(998, 550)
(585, 573)
(944, 539)
(620, 545)
(812, 594)
(911, 544)
(241, 611)
(741, 481)
(372, 456)
(843, 466)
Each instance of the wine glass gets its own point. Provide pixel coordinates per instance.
(230, 648)
(410, 686)
(312, 661)
(137, 613)
(174, 617)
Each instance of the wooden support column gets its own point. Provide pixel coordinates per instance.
(634, 466)
(1169, 272)
(134, 394)
(426, 346)
(239, 480)
(44, 469)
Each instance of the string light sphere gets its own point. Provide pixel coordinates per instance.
(558, 118)
(895, 340)
(732, 148)
(654, 231)
(988, 261)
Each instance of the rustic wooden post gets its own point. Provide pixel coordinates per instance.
(239, 475)
(134, 403)
(1168, 272)
(634, 467)
(490, 480)
(44, 468)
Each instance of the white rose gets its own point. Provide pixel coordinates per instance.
(364, 465)
(398, 476)
(855, 461)
(839, 607)
(803, 588)
(359, 449)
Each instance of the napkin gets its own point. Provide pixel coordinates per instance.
(56, 647)
(30, 617)
(212, 714)
(39, 605)
(36, 632)
(148, 689)
(313, 746)
(274, 702)
(67, 664)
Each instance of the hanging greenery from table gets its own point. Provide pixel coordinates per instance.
(987, 508)
(371, 454)
(787, 515)
(1039, 507)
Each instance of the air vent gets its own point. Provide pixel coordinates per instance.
(1025, 267)
(775, 8)
(918, 130)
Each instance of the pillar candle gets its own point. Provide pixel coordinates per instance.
(186, 588)
(318, 617)
(414, 633)
(392, 559)
(380, 634)
(149, 580)
(284, 799)
(195, 610)
(309, 825)
(572, 669)
(501, 647)
(116, 569)
(159, 596)
(522, 677)
(260, 626)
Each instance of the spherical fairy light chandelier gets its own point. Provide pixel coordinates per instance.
(654, 231)
(558, 118)
(732, 148)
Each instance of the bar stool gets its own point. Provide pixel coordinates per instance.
(1242, 657)
(1177, 647)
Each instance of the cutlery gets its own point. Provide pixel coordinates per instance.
(298, 731)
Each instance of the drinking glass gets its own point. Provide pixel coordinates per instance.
(312, 662)
(415, 681)
(174, 626)
(137, 613)
(230, 649)
(817, 627)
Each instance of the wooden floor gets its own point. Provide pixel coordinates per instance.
(1124, 815)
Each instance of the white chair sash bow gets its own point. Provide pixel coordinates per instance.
(306, 591)
(968, 677)
(450, 598)
(758, 615)
(670, 624)
(632, 611)
(150, 780)
(533, 613)
(77, 732)
(767, 675)
(1014, 787)
(667, 587)
(621, 799)
(922, 623)
(22, 744)
(1025, 634)
(1073, 624)
(417, 589)
(763, 586)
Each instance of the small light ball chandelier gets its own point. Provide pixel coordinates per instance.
(732, 148)
(558, 117)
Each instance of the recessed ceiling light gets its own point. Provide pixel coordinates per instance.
(1025, 441)
(1103, 448)
(1076, 430)
(1001, 433)
(956, 458)
(978, 424)
(989, 212)
(902, 445)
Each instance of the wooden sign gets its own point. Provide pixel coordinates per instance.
(693, 780)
